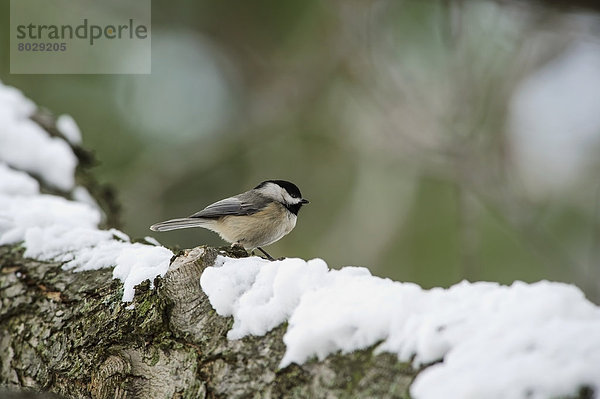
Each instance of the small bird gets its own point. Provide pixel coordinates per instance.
(253, 219)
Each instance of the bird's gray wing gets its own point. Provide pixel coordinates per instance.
(239, 205)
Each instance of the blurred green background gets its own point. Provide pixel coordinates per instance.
(436, 140)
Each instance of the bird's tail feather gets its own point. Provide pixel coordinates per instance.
(182, 223)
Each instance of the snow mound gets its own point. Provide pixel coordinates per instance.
(525, 340)
(26, 146)
(51, 227)
(68, 127)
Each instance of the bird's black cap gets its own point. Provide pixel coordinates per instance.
(290, 187)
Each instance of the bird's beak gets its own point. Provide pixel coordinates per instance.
(304, 201)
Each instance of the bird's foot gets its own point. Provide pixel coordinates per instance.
(239, 250)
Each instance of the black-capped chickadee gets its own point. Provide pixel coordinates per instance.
(253, 219)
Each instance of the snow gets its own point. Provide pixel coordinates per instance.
(24, 145)
(51, 227)
(525, 340)
(13, 182)
(81, 194)
(152, 241)
(68, 127)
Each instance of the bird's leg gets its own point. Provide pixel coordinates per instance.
(266, 254)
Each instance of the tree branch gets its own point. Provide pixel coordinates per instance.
(69, 333)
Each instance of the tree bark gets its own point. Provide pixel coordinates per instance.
(69, 333)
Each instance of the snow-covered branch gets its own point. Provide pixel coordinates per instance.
(85, 312)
